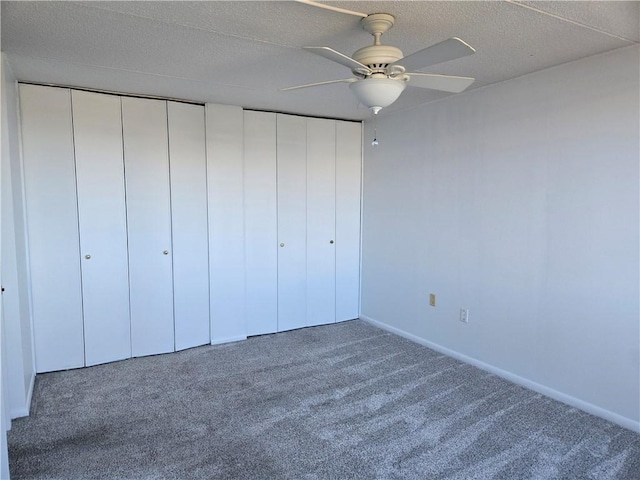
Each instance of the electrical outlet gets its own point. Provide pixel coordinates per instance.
(464, 315)
(432, 299)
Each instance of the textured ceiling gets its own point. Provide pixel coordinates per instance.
(241, 52)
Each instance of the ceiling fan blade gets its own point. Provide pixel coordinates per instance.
(332, 8)
(445, 83)
(440, 52)
(343, 80)
(341, 58)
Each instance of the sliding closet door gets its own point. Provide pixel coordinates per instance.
(188, 167)
(261, 222)
(52, 222)
(348, 174)
(146, 160)
(292, 221)
(321, 221)
(97, 129)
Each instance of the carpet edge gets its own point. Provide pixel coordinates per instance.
(613, 417)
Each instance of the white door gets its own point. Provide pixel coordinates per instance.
(321, 221)
(97, 128)
(52, 223)
(146, 158)
(188, 167)
(261, 222)
(226, 222)
(348, 174)
(292, 221)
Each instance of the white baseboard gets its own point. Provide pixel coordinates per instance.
(32, 384)
(23, 410)
(536, 387)
(218, 341)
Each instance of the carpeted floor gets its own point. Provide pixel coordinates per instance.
(344, 401)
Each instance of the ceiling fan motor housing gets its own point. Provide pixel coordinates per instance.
(378, 56)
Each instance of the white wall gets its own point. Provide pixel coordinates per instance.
(20, 369)
(18, 373)
(5, 422)
(518, 201)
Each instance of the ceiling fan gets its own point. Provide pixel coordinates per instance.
(381, 72)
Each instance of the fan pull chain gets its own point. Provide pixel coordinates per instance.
(375, 131)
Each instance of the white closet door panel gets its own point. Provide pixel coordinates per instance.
(188, 166)
(52, 222)
(261, 222)
(226, 222)
(348, 180)
(97, 129)
(149, 225)
(292, 221)
(321, 220)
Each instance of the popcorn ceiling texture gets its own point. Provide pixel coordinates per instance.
(240, 53)
(340, 401)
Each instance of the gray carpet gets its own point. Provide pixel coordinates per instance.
(344, 401)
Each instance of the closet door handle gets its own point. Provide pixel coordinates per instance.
(87, 256)
(282, 244)
(331, 242)
(165, 252)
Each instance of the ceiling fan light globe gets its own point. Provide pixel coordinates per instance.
(377, 93)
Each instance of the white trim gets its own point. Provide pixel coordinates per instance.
(625, 422)
(25, 223)
(361, 215)
(32, 384)
(24, 410)
(19, 412)
(219, 341)
(345, 320)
